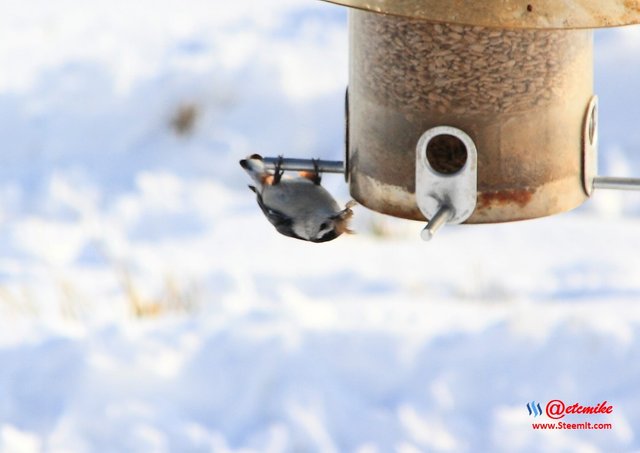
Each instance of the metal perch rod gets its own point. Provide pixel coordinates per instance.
(608, 182)
(437, 222)
(289, 164)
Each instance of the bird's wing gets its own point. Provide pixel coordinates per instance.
(282, 222)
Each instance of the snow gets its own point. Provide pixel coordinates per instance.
(146, 305)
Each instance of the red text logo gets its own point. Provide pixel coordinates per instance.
(557, 409)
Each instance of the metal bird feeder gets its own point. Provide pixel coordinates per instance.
(461, 111)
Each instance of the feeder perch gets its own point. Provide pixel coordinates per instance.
(461, 111)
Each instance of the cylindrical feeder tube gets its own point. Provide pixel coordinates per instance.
(521, 95)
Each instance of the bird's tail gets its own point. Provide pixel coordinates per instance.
(255, 167)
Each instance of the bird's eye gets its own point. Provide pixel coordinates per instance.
(324, 225)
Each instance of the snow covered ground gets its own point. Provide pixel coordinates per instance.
(146, 305)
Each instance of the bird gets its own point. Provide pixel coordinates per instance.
(297, 206)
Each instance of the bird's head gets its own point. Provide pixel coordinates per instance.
(331, 227)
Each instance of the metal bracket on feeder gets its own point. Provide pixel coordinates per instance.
(590, 146)
(446, 177)
(590, 158)
(292, 164)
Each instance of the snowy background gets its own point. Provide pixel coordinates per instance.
(147, 306)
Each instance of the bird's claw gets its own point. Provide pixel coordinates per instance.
(278, 171)
(317, 177)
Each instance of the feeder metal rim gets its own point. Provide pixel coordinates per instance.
(519, 14)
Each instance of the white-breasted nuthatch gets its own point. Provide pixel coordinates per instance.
(297, 206)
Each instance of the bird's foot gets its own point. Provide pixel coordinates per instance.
(278, 171)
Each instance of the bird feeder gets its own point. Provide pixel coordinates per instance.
(475, 112)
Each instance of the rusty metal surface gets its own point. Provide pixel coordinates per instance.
(520, 95)
(540, 14)
(498, 206)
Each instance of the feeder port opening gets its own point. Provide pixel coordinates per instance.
(447, 154)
